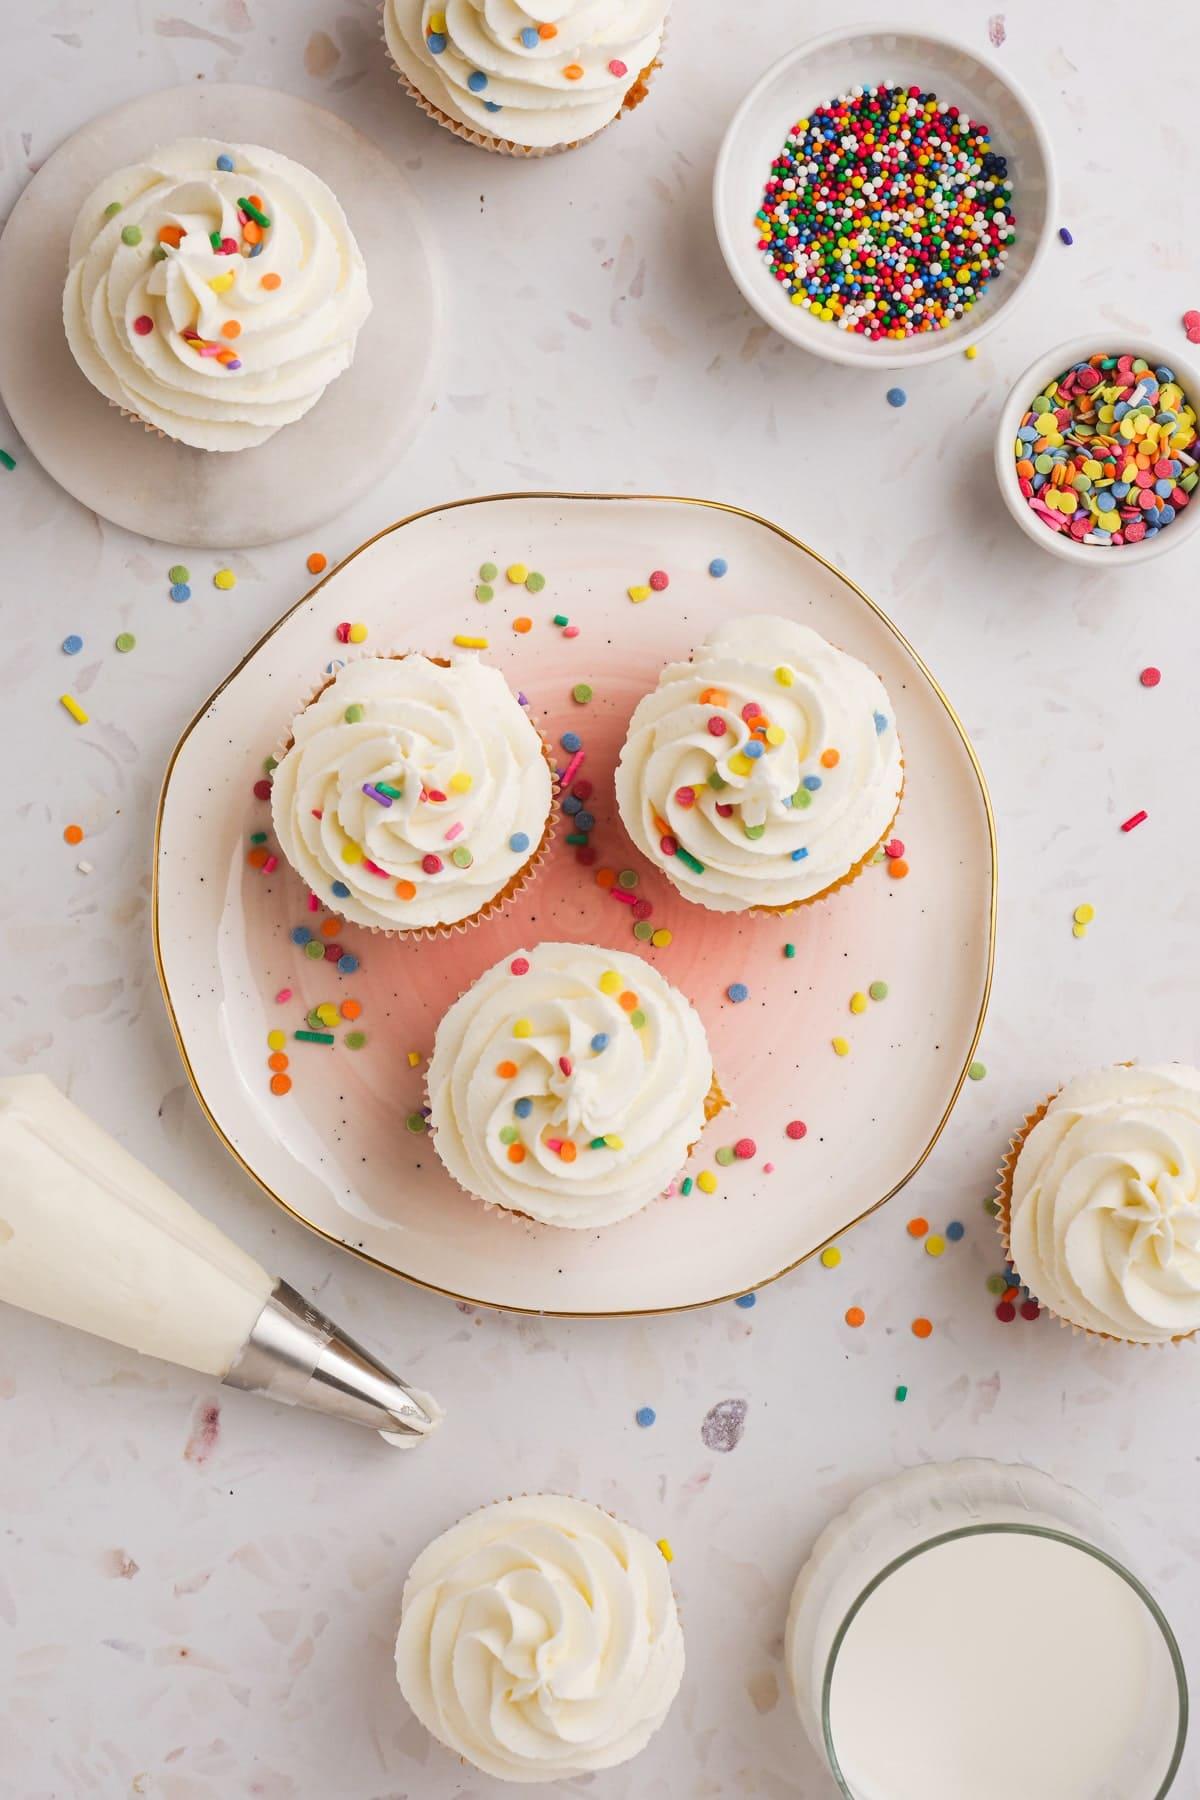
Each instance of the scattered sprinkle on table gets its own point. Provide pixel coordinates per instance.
(707, 1182)
(645, 1416)
(789, 950)
(1134, 820)
(977, 1071)
(178, 572)
(1082, 917)
(841, 1046)
(745, 1301)
(1150, 676)
(1191, 326)
(796, 1129)
(316, 562)
(718, 567)
(72, 645)
(1065, 235)
(224, 579)
(737, 991)
(901, 1393)
(971, 352)
(357, 633)
(638, 593)
(917, 1227)
(858, 1003)
(560, 619)
(124, 642)
(922, 1328)
(934, 1244)
(854, 231)
(485, 592)
(522, 625)
(956, 1231)
(855, 1316)
(831, 1257)
(516, 573)
(535, 581)
(73, 707)
(896, 397)
(180, 591)
(73, 834)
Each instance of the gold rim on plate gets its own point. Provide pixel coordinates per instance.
(636, 1312)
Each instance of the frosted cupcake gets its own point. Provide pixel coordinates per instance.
(1100, 1203)
(540, 1640)
(569, 1084)
(525, 81)
(763, 773)
(414, 794)
(214, 292)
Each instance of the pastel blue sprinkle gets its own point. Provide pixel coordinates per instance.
(571, 742)
(437, 42)
(600, 1042)
(518, 841)
(340, 891)
(746, 1301)
(301, 934)
(896, 396)
(180, 591)
(492, 106)
(645, 1416)
(347, 964)
(529, 37)
(737, 991)
(225, 164)
(955, 1230)
(477, 81)
(72, 645)
(523, 1108)
(753, 749)
(255, 250)
(799, 855)
(585, 821)
(572, 804)
(718, 567)
(812, 783)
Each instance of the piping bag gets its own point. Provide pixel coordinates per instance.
(91, 1238)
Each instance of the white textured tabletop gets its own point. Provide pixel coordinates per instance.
(199, 1617)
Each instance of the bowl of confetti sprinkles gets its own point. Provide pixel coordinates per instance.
(1097, 450)
(881, 197)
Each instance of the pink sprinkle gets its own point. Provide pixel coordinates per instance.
(659, 580)
(342, 632)
(1135, 820)
(564, 1063)
(582, 790)
(270, 866)
(228, 247)
(642, 909)
(617, 67)
(455, 830)
(745, 1147)
(519, 965)
(894, 847)
(314, 905)
(554, 1144)
(668, 846)
(143, 325)
(211, 349)
(685, 796)
(569, 773)
(1150, 677)
(571, 631)
(431, 864)
(717, 727)
(283, 996)
(768, 1168)
(434, 794)
(375, 868)
(725, 808)
(262, 790)
(796, 1128)
(624, 895)
(751, 710)
(317, 813)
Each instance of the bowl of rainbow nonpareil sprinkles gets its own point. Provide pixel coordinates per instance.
(1097, 450)
(881, 197)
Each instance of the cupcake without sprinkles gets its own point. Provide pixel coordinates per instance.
(414, 794)
(569, 1085)
(765, 772)
(214, 291)
(520, 81)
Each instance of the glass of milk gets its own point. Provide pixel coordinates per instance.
(967, 1630)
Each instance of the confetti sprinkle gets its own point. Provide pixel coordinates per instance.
(645, 1417)
(746, 1301)
(1191, 325)
(316, 562)
(581, 693)
(935, 1245)
(977, 1071)
(831, 1257)
(1150, 677)
(718, 567)
(796, 1129)
(73, 834)
(180, 592)
(516, 573)
(855, 1316)
(858, 1003)
(878, 990)
(707, 1182)
(789, 950)
(124, 642)
(917, 1227)
(224, 579)
(956, 1231)
(840, 1046)
(922, 1328)
(737, 991)
(897, 397)
(639, 593)
(72, 645)
(522, 625)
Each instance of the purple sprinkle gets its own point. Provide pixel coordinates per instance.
(523, 699)
(724, 1424)
(373, 793)
(1065, 235)
(233, 363)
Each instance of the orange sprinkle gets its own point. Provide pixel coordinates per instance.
(406, 889)
(1025, 469)
(281, 1084)
(506, 1070)
(252, 232)
(171, 234)
(1010, 1293)
(522, 624)
(277, 1061)
(516, 1153)
(330, 927)
(605, 878)
(351, 1009)
(712, 697)
(74, 835)
(547, 31)
(922, 1328)
(271, 282)
(567, 1151)
(231, 329)
(316, 562)
(257, 856)
(627, 1001)
(918, 1227)
(257, 200)
(855, 1316)
(573, 71)
(830, 759)
(897, 868)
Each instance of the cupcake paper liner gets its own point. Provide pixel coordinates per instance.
(498, 146)
(1003, 1196)
(516, 883)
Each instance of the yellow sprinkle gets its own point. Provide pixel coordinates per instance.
(461, 783)
(660, 938)
(706, 1181)
(784, 676)
(276, 1040)
(1083, 915)
(663, 1545)
(357, 634)
(776, 735)
(224, 578)
(352, 853)
(414, 1057)
(73, 707)
(614, 1140)
(327, 1012)
(522, 1028)
(971, 352)
(739, 764)
(831, 1257)
(934, 1245)
(516, 573)
(437, 21)
(841, 1047)
(638, 594)
(469, 643)
(220, 284)
(610, 982)
(858, 1003)
(1079, 931)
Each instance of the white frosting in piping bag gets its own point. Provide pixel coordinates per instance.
(489, 66)
(1106, 1203)
(216, 346)
(540, 1639)
(758, 817)
(571, 1092)
(466, 787)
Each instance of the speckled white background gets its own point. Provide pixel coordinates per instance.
(204, 1629)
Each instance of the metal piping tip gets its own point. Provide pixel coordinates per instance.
(296, 1355)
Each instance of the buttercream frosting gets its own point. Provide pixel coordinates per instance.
(1105, 1225)
(217, 344)
(539, 1639)
(569, 1083)
(761, 771)
(540, 77)
(412, 793)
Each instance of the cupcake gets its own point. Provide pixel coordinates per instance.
(521, 81)
(569, 1085)
(414, 794)
(1099, 1202)
(539, 1639)
(763, 773)
(214, 292)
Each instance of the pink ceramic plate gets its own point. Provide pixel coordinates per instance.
(336, 1151)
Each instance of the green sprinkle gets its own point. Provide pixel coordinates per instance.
(577, 837)
(488, 571)
(314, 948)
(789, 949)
(628, 878)
(258, 837)
(313, 1037)
(637, 1019)
(159, 253)
(461, 857)
(996, 1284)
(509, 1134)
(10, 462)
(560, 619)
(354, 1040)
(643, 930)
(484, 593)
(259, 217)
(725, 1155)
(112, 209)
(385, 787)
(801, 798)
(977, 1071)
(597, 1144)
(754, 831)
(315, 1021)
(716, 780)
(125, 640)
(535, 582)
(131, 235)
(689, 861)
(686, 1185)
(902, 1393)
(353, 713)
(214, 238)
(414, 1122)
(178, 573)
(878, 990)
(269, 765)
(581, 693)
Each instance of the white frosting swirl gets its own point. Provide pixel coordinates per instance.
(569, 1083)
(540, 1640)
(466, 791)
(217, 347)
(539, 76)
(1106, 1203)
(768, 819)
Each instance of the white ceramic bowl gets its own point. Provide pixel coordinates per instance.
(1114, 343)
(813, 75)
